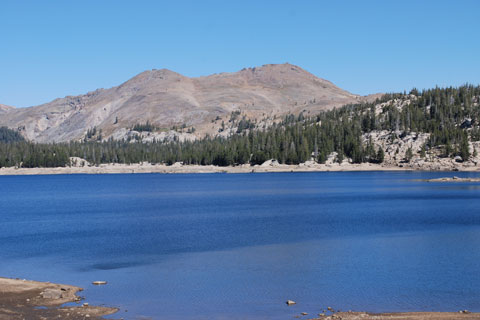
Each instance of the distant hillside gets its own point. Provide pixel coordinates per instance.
(169, 101)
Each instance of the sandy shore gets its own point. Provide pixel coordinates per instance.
(23, 299)
(178, 168)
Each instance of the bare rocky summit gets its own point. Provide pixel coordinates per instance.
(167, 99)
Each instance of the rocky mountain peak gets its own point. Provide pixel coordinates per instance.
(168, 99)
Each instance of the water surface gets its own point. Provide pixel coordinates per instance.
(236, 246)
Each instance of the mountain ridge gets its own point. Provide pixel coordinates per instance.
(5, 108)
(168, 99)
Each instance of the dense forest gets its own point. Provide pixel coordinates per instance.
(450, 115)
(7, 135)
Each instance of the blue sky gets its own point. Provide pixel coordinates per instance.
(51, 49)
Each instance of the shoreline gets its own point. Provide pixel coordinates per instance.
(452, 179)
(179, 168)
(427, 315)
(25, 299)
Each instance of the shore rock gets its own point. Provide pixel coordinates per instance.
(52, 294)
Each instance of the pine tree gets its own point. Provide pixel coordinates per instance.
(380, 155)
(409, 154)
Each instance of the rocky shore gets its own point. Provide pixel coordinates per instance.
(453, 179)
(463, 314)
(268, 166)
(179, 168)
(24, 299)
(331, 314)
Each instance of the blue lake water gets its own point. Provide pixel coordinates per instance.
(237, 246)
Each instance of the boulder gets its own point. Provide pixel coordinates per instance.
(270, 163)
(467, 123)
(177, 164)
(290, 302)
(52, 294)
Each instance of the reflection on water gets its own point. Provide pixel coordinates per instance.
(214, 246)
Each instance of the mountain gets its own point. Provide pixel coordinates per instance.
(4, 108)
(165, 99)
(436, 129)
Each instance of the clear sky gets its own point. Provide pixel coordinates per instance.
(51, 49)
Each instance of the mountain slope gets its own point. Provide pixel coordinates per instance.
(166, 99)
(4, 108)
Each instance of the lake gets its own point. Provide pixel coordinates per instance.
(237, 246)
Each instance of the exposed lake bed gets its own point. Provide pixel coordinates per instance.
(238, 246)
(267, 166)
(23, 299)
